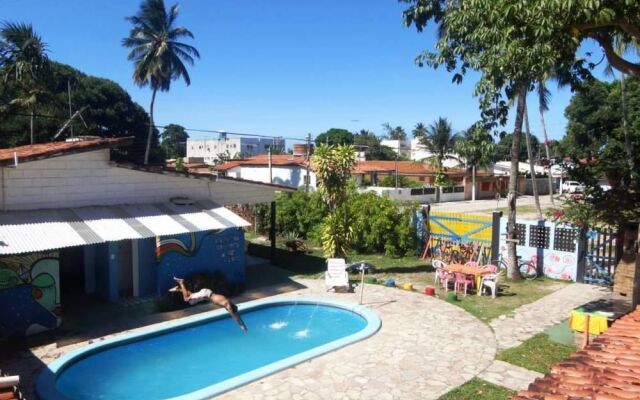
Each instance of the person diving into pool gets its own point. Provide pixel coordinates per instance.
(207, 294)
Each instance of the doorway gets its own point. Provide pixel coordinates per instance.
(125, 269)
(72, 270)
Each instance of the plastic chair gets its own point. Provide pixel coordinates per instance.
(490, 281)
(437, 265)
(445, 277)
(336, 275)
(491, 268)
(463, 280)
(472, 264)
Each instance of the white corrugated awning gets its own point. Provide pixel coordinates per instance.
(41, 230)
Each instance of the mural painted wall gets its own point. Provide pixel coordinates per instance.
(553, 247)
(29, 294)
(201, 252)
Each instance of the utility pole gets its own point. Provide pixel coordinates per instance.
(70, 113)
(397, 152)
(307, 179)
(270, 169)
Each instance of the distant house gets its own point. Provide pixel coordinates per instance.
(414, 150)
(210, 149)
(283, 169)
(73, 221)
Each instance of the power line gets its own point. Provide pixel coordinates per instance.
(185, 128)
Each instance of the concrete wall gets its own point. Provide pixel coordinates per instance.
(292, 176)
(405, 194)
(89, 178)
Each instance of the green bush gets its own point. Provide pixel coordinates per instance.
(403, 182)
(299, 212)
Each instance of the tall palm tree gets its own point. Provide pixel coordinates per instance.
(477, 148)
(532, 169)
(157, 54)
(397, 133)
(544, 96)
(419, 131)
(439, 141)
(23, 58)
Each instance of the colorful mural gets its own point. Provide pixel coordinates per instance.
(554, 245)
(201, 252)
(29, 294)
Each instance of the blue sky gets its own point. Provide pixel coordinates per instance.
(281, 67)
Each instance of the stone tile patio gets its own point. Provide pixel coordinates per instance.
(424, 348)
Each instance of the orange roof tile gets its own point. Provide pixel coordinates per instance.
(46, 150)
(607, 369)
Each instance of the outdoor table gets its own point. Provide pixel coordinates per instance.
(478, 273)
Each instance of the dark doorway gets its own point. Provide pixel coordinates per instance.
(125, 269)
(72, 270)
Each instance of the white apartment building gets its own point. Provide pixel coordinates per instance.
(416, 151)
(209, 149)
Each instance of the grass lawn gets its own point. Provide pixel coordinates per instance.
(537, 353)
(416, 271)
(477, 389)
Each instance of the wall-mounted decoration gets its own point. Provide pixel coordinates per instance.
(29, 294)
(539, 236)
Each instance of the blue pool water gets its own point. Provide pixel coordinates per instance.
(199, 355)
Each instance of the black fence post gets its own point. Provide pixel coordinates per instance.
(581, 243)
(272, 231)
(495, 235)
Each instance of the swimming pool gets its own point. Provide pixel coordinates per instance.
(204, 355)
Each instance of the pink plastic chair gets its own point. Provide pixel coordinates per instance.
(491, 268)
(472, 264)
(463, 280)
(445, 277)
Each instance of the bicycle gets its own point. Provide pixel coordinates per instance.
(527, 269)
(596, 273)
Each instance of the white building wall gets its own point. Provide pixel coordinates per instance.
(209, 149)
(292, 176)
(405, 195)
(402, 147)
(89, 178)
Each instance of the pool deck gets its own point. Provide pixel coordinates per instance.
(424, 348)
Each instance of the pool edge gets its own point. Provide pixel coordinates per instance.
(45, 384)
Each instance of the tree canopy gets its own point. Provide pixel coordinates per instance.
(110, 112)
(174, 140)
(502, 149)
(334, 136)
(397, 133)
(370, 144)
(595, 141)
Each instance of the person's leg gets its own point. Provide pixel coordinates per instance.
(223, 301)
(183, 289)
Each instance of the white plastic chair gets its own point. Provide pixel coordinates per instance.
(490, 281)
(336, 275)
(437, 266)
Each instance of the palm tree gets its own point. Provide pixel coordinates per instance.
(439, 141)
(532, 169)
(419, 131)
(544, 96)
(23, 58)
(478, 149)
(397, 133)
(157, 54)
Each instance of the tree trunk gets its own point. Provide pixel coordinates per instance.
(473, 183)
(532, 169)
(512, 240)
(151, 126)
(31, 118)
(625, 126)
(546, 149)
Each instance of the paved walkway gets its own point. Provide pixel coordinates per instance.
(533, 318)
(509, 375)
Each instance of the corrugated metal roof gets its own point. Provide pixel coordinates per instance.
(40, 230)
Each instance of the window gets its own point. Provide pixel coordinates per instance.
(421, 179)
(485, 186)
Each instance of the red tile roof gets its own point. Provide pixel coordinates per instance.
(607, 369)
(46, 150)
(263, 159)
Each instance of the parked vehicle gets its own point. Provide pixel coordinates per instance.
(572, 187)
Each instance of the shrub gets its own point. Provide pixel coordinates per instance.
(299, 212)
